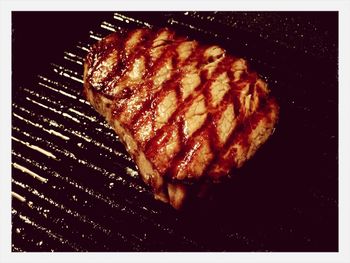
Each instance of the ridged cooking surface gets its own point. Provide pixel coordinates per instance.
(75, 188)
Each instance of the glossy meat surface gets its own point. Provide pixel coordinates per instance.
(186, 112)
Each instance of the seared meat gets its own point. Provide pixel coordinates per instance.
(187, 113)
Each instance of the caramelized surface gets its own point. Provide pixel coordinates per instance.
(193, 111)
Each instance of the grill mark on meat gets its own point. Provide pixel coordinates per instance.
(208, 129)
(243, 127)
(151, 69)
(124, 61)
(239, 136)
(117, 70)
(172, 84)
(196, 55)
(149, 104)
(100, 52)
(187, 144)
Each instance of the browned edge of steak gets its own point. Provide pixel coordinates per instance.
(250, 137)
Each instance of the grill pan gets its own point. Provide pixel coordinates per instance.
(75, 188)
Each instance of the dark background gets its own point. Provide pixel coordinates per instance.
(284, 199)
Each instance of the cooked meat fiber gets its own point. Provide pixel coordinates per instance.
(187, 113)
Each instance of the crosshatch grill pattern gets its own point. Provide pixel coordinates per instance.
(194, 111)
(75, 188)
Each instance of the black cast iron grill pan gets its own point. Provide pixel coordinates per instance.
(75, 188)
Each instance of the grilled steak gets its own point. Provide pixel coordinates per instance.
(187, 113)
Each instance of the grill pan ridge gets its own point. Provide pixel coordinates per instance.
(75, 188)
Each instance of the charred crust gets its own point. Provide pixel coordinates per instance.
(166, 184)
